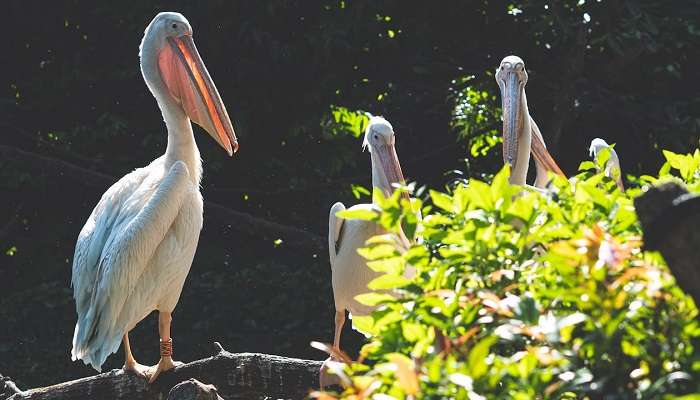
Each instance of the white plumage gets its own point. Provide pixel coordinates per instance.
(350, 274)
(136, 248)
(521, 135)
(133, 255)
(612, 165)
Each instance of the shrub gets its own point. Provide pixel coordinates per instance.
(522, 294)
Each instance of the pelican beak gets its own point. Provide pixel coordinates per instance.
(188, 81)
(513, 120)
(543, 157)
(391, 167)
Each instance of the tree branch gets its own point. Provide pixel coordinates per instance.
(193, 390)
(669, 216)
(235, 376)
(7, 387)
(213, 212)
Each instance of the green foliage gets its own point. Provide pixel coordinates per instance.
(343, 121)
(520, 294)
(476, 115)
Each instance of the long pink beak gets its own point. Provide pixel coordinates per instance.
(392, 169)
(513, 120)
(189, 82)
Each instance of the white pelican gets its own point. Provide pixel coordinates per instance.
(350, 274)
(136, 248)
(520, 132)
(612, 166)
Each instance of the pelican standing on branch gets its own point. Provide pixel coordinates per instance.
(349, 270)
(521, 135)
(350, 274)
(137, 246)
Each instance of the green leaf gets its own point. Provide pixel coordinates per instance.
(500, 183)
(373, 298)
(364, 324)
(441, 200)
(409, 225)
(480, 194)
(586, 165)
(377, 252)
(476, 360)
(394, 265)
(388, 281)
(412, 331)
(358, 213)
(602, 157)
(359, 190)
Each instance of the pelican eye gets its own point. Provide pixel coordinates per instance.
(174, 26)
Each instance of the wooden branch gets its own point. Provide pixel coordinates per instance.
(193, 390)
(669, 216)
(235, 376)
(244, 223)
(7, 387)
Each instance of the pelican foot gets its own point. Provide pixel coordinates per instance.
(136, 369)
(165, 364)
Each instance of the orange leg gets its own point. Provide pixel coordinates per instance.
(130, 364)
(339, 322)
(166, 347)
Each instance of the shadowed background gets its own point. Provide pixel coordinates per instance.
(76, 116)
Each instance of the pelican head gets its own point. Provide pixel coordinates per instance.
(386, 170)
(511, 78)
(597, 145)
(178, 78)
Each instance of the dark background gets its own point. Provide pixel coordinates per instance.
(75, 115)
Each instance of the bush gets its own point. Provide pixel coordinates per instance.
(521, 294)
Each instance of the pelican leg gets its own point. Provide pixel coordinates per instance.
(325, 379)
(166, 347)
(339, 322)
(130, 364)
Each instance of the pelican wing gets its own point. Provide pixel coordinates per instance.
(108, 214)
(113, 250)
(335, 230)
(543, 160)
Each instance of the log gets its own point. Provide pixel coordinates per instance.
(7, 387)
(234, 376)
(669, 216)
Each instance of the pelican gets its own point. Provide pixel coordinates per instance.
(521, 135)
(612, 165)
(350, 274)
(136, 248)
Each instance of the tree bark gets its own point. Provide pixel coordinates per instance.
(234, 376)
(193, 389)
(60, 170)
(7, 387)
(669, 216)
